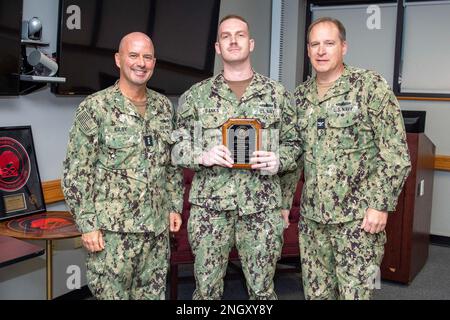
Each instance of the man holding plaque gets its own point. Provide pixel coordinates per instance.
(355, 164)
(237, 131)
(119, 182)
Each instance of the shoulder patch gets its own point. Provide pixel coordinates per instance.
(85, 121)
(183, 105)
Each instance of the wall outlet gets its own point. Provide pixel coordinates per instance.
(421, 188)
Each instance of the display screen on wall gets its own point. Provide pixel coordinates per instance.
(183, 33)
(10, 32)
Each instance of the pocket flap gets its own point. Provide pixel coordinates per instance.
(342, 120)
(120, 140)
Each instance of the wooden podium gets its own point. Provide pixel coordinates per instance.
(408, 229)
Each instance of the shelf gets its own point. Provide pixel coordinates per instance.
(34, 42)
(32, 78)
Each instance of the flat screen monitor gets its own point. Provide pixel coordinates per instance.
(183, 33)
(10, 49)
(414, 120)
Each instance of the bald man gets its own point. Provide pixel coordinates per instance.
(119, 183)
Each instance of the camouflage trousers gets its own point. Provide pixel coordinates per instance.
(132, 266)
(258, 238)
(339, 261)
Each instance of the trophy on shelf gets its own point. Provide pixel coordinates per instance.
(242, 138)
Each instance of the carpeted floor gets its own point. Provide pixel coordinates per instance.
(433, 282)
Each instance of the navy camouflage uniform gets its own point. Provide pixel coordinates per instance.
(235, 206)
(118, 178)
(355, 157)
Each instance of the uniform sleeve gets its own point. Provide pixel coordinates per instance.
(288, 183)
(186, 150)
(289, 179)
(175, 186)
(79, 169)
(393, 163)
(290, 149)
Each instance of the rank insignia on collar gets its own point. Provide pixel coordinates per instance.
(148, 140)
(321, 123)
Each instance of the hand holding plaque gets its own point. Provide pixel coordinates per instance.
(266, 161)
(217, 155)
(242, 138)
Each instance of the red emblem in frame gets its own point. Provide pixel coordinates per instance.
(14, 165)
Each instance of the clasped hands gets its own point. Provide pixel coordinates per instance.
(220, 155)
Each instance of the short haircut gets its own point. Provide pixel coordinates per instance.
(336, 22)
(234, 16)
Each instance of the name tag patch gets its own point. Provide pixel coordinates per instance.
(344, 107)
(211, 110)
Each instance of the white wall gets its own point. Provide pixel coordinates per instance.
(258, 15)
(292, 55)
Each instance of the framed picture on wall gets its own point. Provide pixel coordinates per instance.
(20, 183)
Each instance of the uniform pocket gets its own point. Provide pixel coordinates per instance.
(342, 120)
(212, 120)
(268, 114)
(211, 130)
(342, 129)
(269, 121)
(366, 239)
(302, 123)
(121, 150)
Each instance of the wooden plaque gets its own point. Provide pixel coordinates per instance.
(242, 138)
